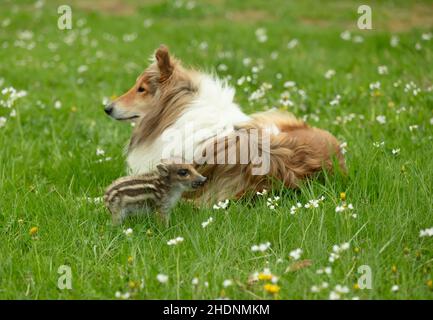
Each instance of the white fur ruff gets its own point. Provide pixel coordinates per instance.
(213, 112)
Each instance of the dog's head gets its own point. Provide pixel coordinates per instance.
(149, 90)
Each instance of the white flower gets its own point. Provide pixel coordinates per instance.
(374, 85)
(344, 207)
(312, 204)
(162, 278)
(343, 147)
(329, 74)
(413, 127)
(378, 144)
(295, 254)
(315, 289)
(394, 41)
(221, 205)
(426, 232)
(334, 296)
(2, 121)
(57, 104)
(128, 232)
(341, 289)
(82, 68)
(147, 23)
(418, 46)
(294, 209)
(175, 241)
(227, 283)
(194, 281)
(427, 36)
(261, 247)
(100, 151)
(13, 113)
(382, 70)
(222, 67)
(261, 35)
(272, 203)
(120, 295)
(264, 192)
(327, 270)
(335, 101)
(289, 84)
(395, 152)
(207, 222)
(358, 39)
(292, 43)
(246, 61)
(395, 288)
(346, 35)
(337, 249)
(381, 119)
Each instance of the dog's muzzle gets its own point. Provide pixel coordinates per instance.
(109, 108)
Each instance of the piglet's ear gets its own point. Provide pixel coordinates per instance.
(162, 169)
(164, 63)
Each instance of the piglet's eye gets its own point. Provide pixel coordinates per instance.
(183, 172)
(141, 89)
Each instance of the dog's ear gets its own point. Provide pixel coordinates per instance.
(162, 169)
(164, 63)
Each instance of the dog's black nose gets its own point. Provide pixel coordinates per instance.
(109, 108)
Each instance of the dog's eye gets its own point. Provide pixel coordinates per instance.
(183, 172)
(141, 89)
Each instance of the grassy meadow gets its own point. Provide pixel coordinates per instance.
(373, 89)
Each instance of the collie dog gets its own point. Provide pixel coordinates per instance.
(184, 113)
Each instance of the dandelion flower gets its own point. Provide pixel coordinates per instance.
(271, 288)
(33, 231)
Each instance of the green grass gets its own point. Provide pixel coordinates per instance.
(48, 161)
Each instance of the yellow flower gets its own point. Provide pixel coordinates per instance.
(356, 286)
(73, 109)
(430, 284)
(132, 284)
(130, 259)
(265, 276)
(271, 288)
(394, 269)
(149, 232)
(391, 104)
(357, 250)
(33, 231)
(343, 196)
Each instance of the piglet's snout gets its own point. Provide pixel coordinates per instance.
(200, 181)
